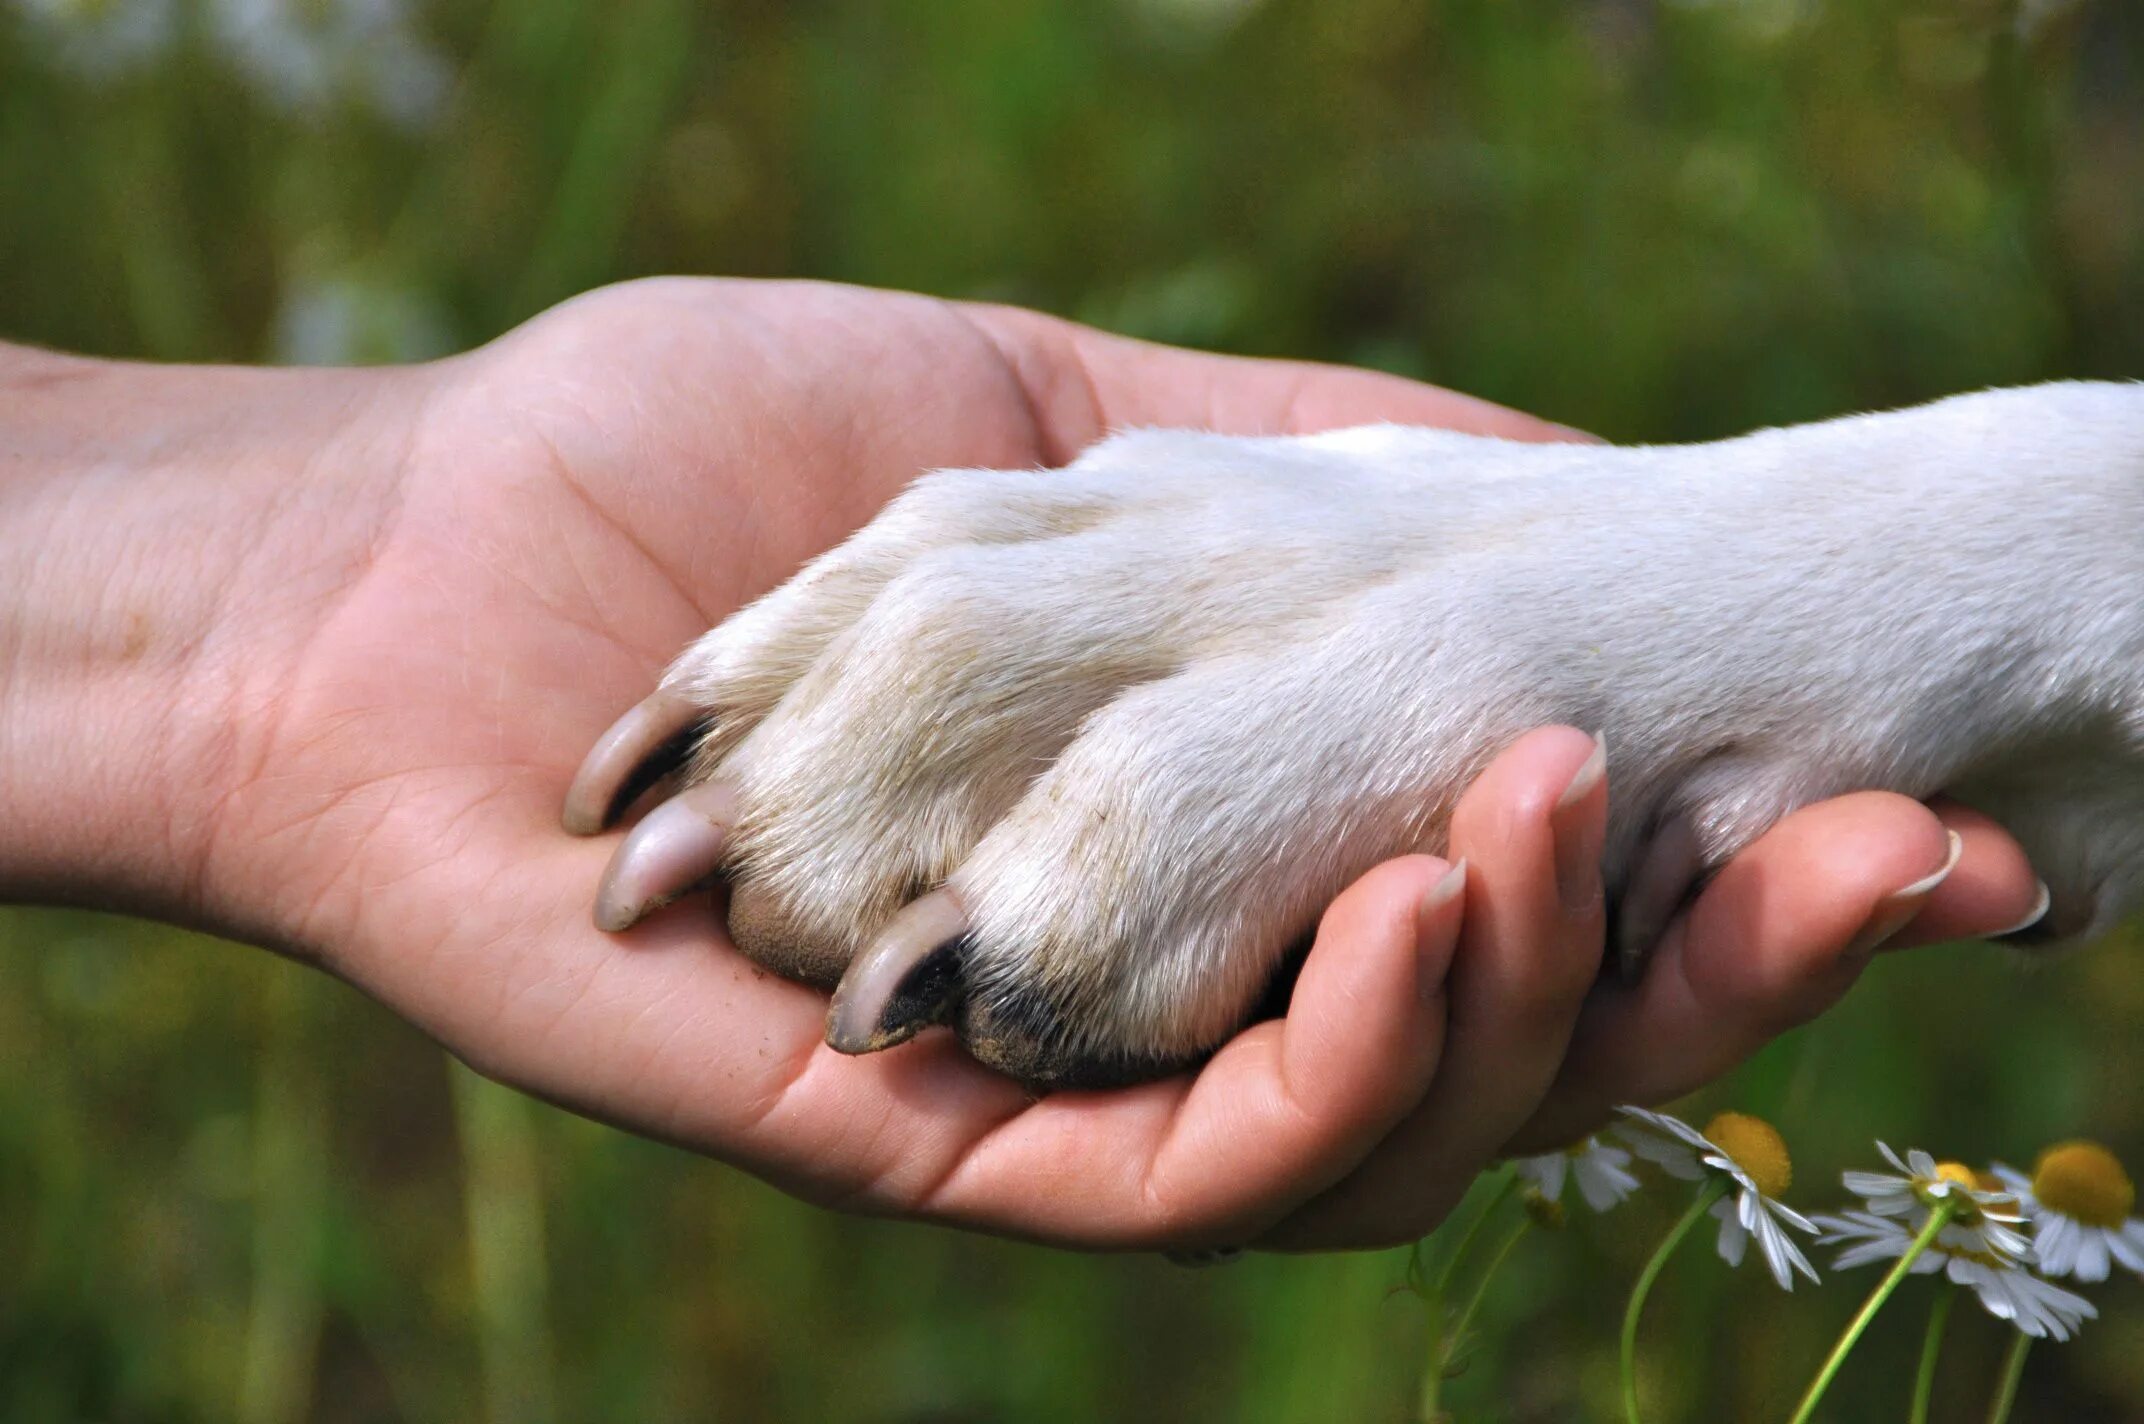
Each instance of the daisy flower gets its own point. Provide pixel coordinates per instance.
(1985, 1214)
(2004, 1284)
(1747, 1156)
(2079, 1199)
(1601, 1169)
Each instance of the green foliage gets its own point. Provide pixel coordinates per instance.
(231, 1189)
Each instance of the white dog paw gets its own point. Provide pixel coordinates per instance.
(1072, 760)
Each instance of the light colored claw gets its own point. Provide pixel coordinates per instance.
(617, 754)
(906, 981)
(679, 846)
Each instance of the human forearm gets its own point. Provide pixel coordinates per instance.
(159, 566)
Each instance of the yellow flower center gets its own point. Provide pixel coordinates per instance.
(1756, 1147)
(2084, 1182)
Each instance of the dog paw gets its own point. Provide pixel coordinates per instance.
(1073, 760)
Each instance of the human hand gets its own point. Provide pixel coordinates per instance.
(320, 681)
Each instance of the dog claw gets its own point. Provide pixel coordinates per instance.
(639, 748)
(906, 981)
(678, 847)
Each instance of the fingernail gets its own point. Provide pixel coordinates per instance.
(1451, 886)
(2029, 930)
(1578, 828)
(1897, 909)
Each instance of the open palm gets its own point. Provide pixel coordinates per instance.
(563, 510)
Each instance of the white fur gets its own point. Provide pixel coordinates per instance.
(1147, 714)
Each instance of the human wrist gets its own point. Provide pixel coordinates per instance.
(162, 547)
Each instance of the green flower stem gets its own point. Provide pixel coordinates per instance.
(1924, 1380)
(1481, 1219)
(1710, 1193)
(1481, 1287)
(2013, 1373)
(1440, 1357)
(1937, 1220)
(1440, 1341)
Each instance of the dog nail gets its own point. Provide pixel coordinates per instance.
(639, 748)
(1897, 909)
(679, 846)
(906, 981)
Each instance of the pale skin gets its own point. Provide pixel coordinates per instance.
(308, 658)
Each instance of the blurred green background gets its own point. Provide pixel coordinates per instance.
(231, 1190)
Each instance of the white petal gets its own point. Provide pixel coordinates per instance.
(2003, 1241)
(1876, 1238)
(1670, 1157)
(1688, 1133)
(1994, 1290)
(1602, 1181)
(2091, 1254)
(1544, 1173)
(2057, 1244)
(1873, 1184)
(1854, 1225)
(1867, 1251)
(1790, 1216)
(1838, 1228)
(1727, 1167)
(1645, 1138)
(2074, 1309)
(1734, 1237)
(2008, 1210)
(1780, 1253)
(2127, 1245)
(2053, 1310)
(1673, 1127)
